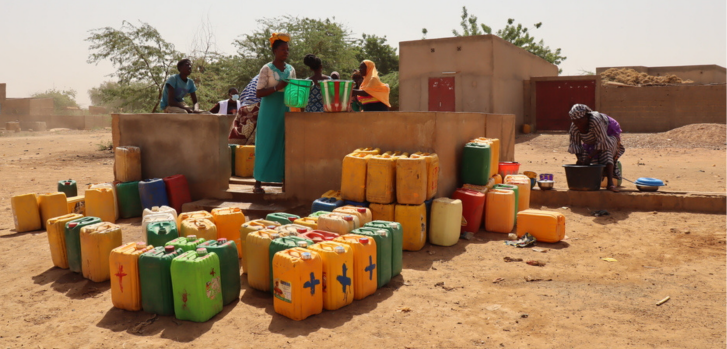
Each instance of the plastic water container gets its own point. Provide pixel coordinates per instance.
(244, 160)
(292, 229)
(249, 227)
(297, 92)
(73, 241)
(365, 267)
(309, 222)
(508, 168)
(383, 241)
(336, 194)
(363, 213)
(336, 95)
(76, 204)
(281, 217)
(158, 217)
(516, 190)
(319, 213)
(432, 172)
(473, 205)
(297, 283)
(326, 204)
(155, 279)
(100, 203)
(153, 192)
(177, 191)
(523, 184)
(413, 219)
(282, 244)
(353, 176)
(228, 221)
(56, 231)
(194, 214)
(26, 213)
(381, 178)
(500, 211)
(397, 242)
(545, 226)
(229, 271)
(159, 233)
(160, 209)
(185, 243)
(382, 212)
(124, 264)
(368, 151)
(233, 149)
(476, 160)
(319, 236)
(51, 205)
(258, 258)
(355, 203)
(196, 285)
(446, 221)
(111, 186)
(340, 224)
(68, 187)
(128, 164)
(200, 227)
(129, 200)
(411, 180)
(494, 152)
(97, 241)
(338, 282)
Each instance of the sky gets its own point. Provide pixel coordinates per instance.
(43, 45)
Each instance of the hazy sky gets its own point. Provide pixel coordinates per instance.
(42, 42)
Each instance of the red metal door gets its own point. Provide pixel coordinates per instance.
(554, 99)
(441, 94)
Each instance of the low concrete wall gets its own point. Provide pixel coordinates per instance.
(76, 122)
(188, 144)
(317, 142)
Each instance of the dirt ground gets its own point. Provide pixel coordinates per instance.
(445, 296)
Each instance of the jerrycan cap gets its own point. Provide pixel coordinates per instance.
(201, 251)
(361, 210)
(364, 241)
(339, 249)
(140, 245)
(301, 230)
(274, 236)
(191, 237)
(382, 232)
(72, 224)
(67, 182)
(348, 218)
(302, 244)
(155, 208)
(306, 255)
(271, 227)
(168, 249)
(394, 225)
(221, 241)
(292, 219)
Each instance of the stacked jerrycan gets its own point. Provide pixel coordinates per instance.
(282, 244)
(365, 271)
(161, 232)
(292, 229)
(128, 164)
(381, 177)
(338, 283)
(297, 283)
(476, 163)
(494, 144)
(329, 201)
(397, 242)
(383, 242)
(257, 254)
(445, 224)
(201, 227)
(73, 241)
(51, 205)
(153, 192)
(523, 184)
(246, 229)
(124, 271)
(411, 180)
(363, 213)
(338, 223)
(309, 222)
(185, 243)
(413, 219)
(177, 191)
(353, 176)
(196, 285)
(319, 236)
(228, 221)
(97, 241)
(26, 212)
(281, 217)
(367, 151)
(155, 278)
(229, 271)
(68, 187)
(382, 212)
(56, 231)
(244, 160)
(500, 211)
(432, 161)
(473, 206)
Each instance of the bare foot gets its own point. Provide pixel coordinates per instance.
(258, 189)
(613, 188)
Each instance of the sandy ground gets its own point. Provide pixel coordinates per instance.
(445, 296)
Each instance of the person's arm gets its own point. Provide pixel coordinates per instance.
(195, 107)
(267, 91)
(215, 109)
(361, 93)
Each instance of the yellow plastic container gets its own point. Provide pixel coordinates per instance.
(310, 222)
(56, 228)
(338, 279)
(367, 151)
(52, 205)
(381, 178)
(229, 220)
(523, 184)
(500, 211)
(413, 220)
(258, 257)
(336, 194)
(545, 226)
(338, 223)
(249, 227)
(97, 241)
(297, 288)
(100, 203)
(363, 213)
(194, 214)
(111, 186)
(244, 160)
(200, 227)
(128, 164)
(353, 177)
(26, 213)
(432, 172)
(293, 229)
(494, 153)
(77, 204)
(445, 222)
(411, 180)
(124, 271)
(364, 264)
(382, 212)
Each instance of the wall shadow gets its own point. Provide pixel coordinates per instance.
(612, 218)
(71, 284)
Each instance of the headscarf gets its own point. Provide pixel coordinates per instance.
(578, 111)
(279, 36)
(373, 85)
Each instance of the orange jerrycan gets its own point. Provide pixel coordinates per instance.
(297, 278)
(381, 178)
(201, 227)
(97, 241)
(310, 222)
(100, 203)
(367, 151)
(545, 226)
(432, 172)
(244, 160)
(523, 184)
(365, 276)
(194, 214)
(338, 223)
(382, 212)
(26, 212)
(247, 228)
(124, 270)
(338, 282)
(52, 205)
(413, 220)
(363, 213)
(353, 177)
(228, 221)
(258, 258)
(411, 180)
(56, 230)
(500, 211)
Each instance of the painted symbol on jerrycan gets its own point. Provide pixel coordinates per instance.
(370, 268)
(120, 274)
(312, 283)
(344, 280)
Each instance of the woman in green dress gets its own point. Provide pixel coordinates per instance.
(270, 138)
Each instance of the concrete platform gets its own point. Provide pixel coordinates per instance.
(252, 210)
(697, 202)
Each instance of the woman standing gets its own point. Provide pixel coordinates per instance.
(270, 138)
(373, 94)
(596, 138)
(357, 80)
(315, 101)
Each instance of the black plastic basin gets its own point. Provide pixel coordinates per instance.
(584, 177)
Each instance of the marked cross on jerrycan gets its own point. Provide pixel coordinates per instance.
(229, 267)
(297, 288)
(124, 270)
(383, 242)
(338, 283)
(397, 242)
(365, 272)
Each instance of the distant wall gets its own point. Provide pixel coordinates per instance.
(76, 122)
(97, 110)
(700, 74)
(27, 106)
(3, 93)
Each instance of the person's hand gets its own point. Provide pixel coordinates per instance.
(281, 85)
(189, 110)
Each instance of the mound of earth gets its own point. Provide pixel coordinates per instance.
(629, 76)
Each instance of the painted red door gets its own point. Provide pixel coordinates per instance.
(441, 94)
(554, 99)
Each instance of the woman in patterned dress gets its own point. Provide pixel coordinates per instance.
(315, 101)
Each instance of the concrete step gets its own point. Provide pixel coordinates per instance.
(252, 210)
(251, 181)
(244, 193)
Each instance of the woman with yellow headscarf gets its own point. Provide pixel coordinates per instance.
(372, 94)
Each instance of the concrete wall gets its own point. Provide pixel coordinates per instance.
(189, 144)
(76, 122)
(97, 110)
(27, 106)
(317, 142)
(700, 74)
(3, 92)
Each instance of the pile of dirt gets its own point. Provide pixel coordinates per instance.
(632, 77)
(712, 136)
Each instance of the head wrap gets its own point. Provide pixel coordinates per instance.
(373, 85)
(578, 111)
(278, 36)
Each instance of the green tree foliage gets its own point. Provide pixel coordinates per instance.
(134, 97)
(61, 99)
(393, 80)
(376, 49)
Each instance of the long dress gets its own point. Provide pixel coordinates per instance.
(270, 137)
(315, 101)
(597, 138)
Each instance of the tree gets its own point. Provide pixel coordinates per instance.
(393, 80)
(376, 49)
(134, 97)
(470, 27)
(61, 99)
(142, 58)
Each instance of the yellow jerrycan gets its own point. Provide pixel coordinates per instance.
(413, 220)
(381, 178)
(336, 194)
(446, 222)
(128, 164)
(432, 172)
(124, 271)
(411, 180)
(338, 282)
(228, 221)
(365, 270)
(310, 222)
(26, 212)
(297, 283)
(367, 151)
(100, 203)
(52, 205)
(244, 160)
(249, 227)
(258, 258)
(194, 214)
(500, 211)
(353, 177)
(111, 186)
(382, 212)
(56, 230)
(201, 227)
(363, 213)
(523, 184)
(338, 223)
(97, 241)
